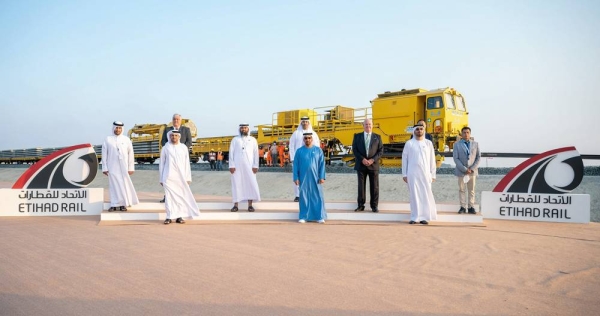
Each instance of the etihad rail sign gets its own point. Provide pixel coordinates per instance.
(538, 190)
(56, 186)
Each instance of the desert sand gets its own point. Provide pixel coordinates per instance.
(74, 266)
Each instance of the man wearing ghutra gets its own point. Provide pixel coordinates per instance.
(309, 175)
(117, 164)
(296, 142)
(418, 171)
(184, 132)
(176, 176)
(243, 166)
(466, 156)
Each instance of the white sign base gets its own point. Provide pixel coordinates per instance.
(51, 202)
(562, 208)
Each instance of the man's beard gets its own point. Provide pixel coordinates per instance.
(243, 133)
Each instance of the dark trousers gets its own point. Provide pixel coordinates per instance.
(373, 187)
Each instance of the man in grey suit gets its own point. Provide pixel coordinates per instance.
(368, 149)
(186, 135)
(466, 156)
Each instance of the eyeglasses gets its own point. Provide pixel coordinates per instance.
(418, 129)
(307, 137)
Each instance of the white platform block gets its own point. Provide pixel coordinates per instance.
(288, 211)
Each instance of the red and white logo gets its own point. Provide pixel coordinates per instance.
(74, 167)
(556, 171)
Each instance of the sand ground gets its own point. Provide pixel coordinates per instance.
(73, 266)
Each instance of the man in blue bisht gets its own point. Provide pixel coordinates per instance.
(309, 175)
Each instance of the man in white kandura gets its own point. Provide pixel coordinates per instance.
(418, 170)
(243, 166)
(176, 176)
(117, 164)
(296, 142)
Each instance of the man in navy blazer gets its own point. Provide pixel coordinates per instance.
(367, 164)
(466, 156)
(186, 135)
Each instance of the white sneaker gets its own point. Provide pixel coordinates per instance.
(321, 221)
(301, 221)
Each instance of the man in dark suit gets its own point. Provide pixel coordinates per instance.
(367, 164)
(186, 135)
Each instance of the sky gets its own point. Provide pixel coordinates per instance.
(529, 70)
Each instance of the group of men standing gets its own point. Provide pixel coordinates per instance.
(418, 171)
(308, 171)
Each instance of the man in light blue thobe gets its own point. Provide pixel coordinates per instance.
(309, 175)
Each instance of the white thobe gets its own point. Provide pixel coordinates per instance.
(175, 173)
(296, 142)
(418, 165)
(117, 159)
(243, 156)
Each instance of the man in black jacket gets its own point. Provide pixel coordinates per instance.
(186, 134)
(368, 149)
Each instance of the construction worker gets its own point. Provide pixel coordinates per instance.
(220, 157)
(212, 159)
(286, 156)
(280, 151)
(261, 156)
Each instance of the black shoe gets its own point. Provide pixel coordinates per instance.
(250, 208)
(234, 209)
(412, 222)
(179, 220)
(375, 209)
(167, 221)
(162, 201)
(112, 209)
(123, 209)
(359, 209)
(472, 210)
(462, 210)
(296, 199)
(423, 222)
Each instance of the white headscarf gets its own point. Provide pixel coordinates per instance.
(169, 136)
(239, 132)
(302, 130)
(115, 125)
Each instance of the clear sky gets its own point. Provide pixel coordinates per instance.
(529, 70)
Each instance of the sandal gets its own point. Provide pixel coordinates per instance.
(412, 222)
(250, 208)
(423, 222)
(179, 221)
(234, 209)
(112, 209)
(123, 209)
(167, 221)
